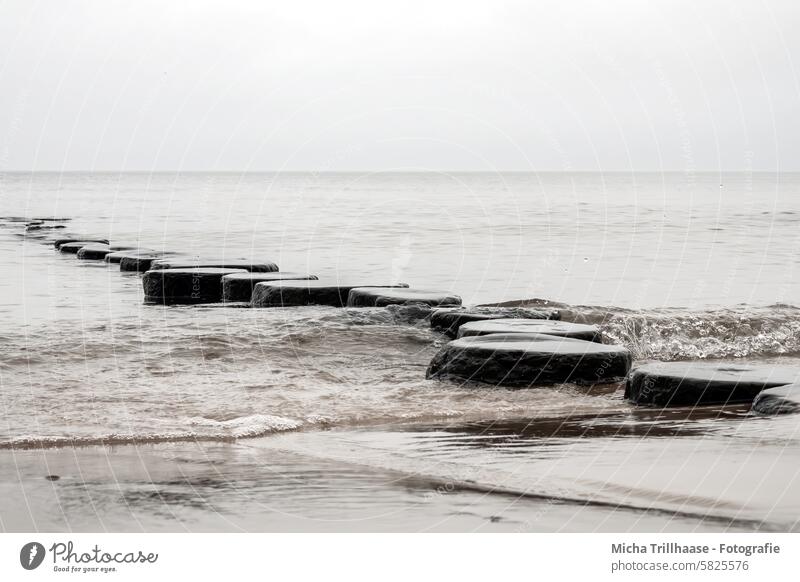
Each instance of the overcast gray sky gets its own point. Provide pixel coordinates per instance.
(368, 85)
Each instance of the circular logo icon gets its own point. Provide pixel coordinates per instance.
(31, 555)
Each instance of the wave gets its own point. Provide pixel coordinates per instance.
(257, 425)
(244, 336)
(316, 368)
(189, 337)
(740, 331)
(229, 431)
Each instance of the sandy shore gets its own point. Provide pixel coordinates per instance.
(264, 485)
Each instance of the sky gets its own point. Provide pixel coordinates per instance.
(563, 85)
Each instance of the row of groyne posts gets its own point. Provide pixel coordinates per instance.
(510, 347)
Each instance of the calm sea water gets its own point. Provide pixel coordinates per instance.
(632, 240)
(674, 266)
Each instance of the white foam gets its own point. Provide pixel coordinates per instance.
(248, 426)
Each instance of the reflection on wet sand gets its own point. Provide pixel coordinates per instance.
(230, 487)
(720, 466)
(691, 469)
(638, 422)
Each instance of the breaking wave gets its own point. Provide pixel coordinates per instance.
(672, 334)
(221, 431)
(742, 331)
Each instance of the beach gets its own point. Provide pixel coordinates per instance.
(125, 416)
(259, 486)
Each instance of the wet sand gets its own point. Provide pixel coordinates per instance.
(492, 478)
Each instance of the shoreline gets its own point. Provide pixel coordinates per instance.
(275, 484)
